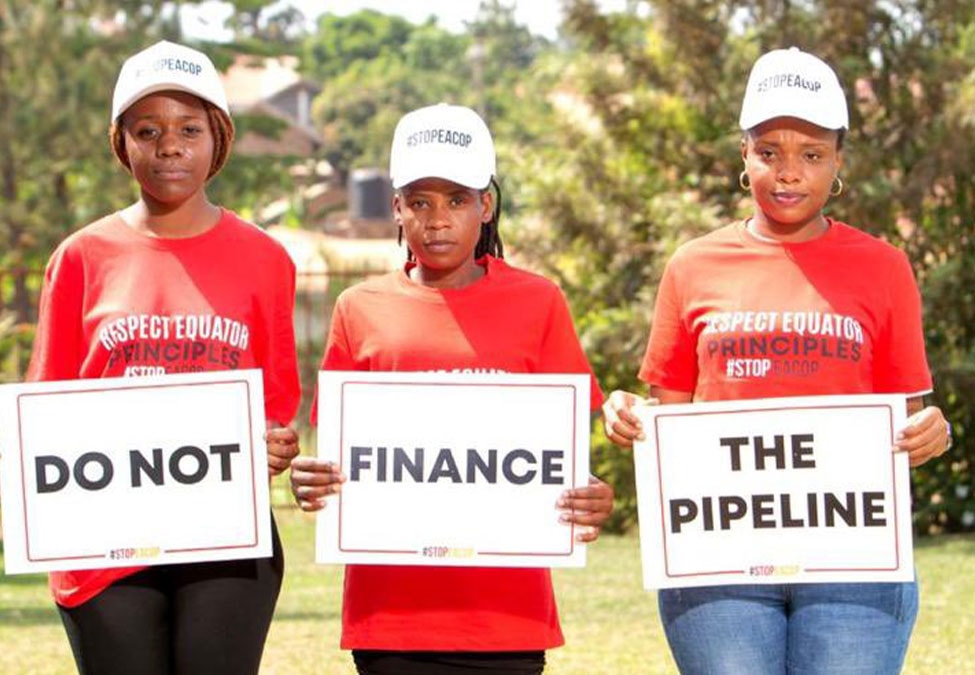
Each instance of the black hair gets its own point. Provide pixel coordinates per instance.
(490, 242)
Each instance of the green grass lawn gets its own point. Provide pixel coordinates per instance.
(610, 623)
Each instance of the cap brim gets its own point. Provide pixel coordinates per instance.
(119, 110)
(824, 120)
(475, 181)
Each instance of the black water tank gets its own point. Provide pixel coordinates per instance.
(369, 194)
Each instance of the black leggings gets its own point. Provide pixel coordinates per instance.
(200, 618)
(378, 662)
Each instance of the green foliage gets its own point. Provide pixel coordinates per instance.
(15, 345)
(265, 27)
(374, 68)
(247, 182)
(341, 42)
(57, 171)
(945, 489)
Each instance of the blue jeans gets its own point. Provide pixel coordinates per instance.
(799, 629)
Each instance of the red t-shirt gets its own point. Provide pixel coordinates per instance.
(507, 321)
(117, 302)
(738, 318)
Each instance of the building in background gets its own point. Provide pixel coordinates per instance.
(272, 86)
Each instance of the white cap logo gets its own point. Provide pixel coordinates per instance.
(167, 66)
(793, 83)
(442, 141)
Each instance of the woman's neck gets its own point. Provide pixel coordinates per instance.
(191, 218)
(456, 278)
(764, 229)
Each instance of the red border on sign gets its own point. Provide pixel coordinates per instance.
(549, 554)
(254, 543)
(663, 521)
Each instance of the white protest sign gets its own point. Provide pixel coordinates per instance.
(452, 469)
(774, 491)
(133, 471)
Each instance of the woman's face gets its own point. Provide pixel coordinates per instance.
(170, 146)
(442, 224)
(791, 165)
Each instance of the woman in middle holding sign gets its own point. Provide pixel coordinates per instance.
(455, 307)
(788, 302)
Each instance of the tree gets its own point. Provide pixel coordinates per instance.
(374, 68)
(500, 53)
(266, 27)
(341, 42)
(57, 170)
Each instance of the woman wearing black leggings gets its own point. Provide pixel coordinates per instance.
(201, 618)
(116, 297)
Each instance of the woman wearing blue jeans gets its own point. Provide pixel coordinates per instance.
(788, 258)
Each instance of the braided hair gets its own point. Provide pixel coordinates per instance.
(490, 242)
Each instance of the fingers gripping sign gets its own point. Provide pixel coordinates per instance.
(312, 480)
(282, 447)
(620, 423)
(926, 435)
(588, 506)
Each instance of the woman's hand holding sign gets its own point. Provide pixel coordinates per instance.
(621, 425)
(926, 435)
(312, 480)
(587, 506)
(282, 447)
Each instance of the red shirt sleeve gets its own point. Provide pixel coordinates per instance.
(900, 362)
(58, 349)
(670, 360)
(338, 353)
(561, 351)
(282, 388)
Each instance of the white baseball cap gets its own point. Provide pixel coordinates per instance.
(793, 83)
(167, 66)
(442, 141)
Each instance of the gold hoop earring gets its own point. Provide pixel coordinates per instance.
(744, 181)
(836, 189)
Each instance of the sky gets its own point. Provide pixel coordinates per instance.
(541, 16)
